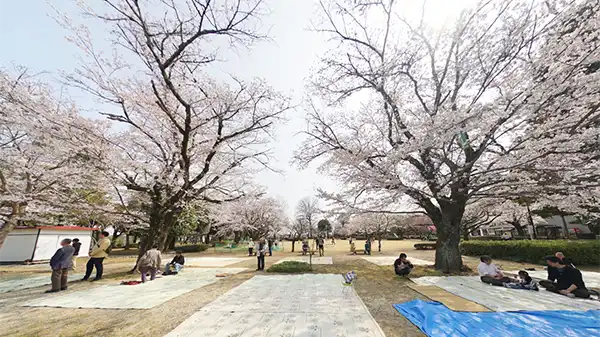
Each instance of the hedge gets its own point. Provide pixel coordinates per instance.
(580, 252)
(290, 267)
(192, 248)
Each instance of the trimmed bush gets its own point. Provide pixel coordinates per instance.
(496, 238)
(290, 267)
(580, 252)
(192, 248)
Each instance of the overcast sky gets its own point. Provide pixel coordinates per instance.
(30, 37)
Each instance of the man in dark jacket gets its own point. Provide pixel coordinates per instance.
(402, 266)
(569, 281)
(552, 271)
(76, 245)
(60, 263)
(177, 263)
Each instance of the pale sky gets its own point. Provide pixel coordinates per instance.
(30, 37)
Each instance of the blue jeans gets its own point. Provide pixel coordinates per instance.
(177, 266)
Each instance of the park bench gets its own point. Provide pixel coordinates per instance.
(425, 246)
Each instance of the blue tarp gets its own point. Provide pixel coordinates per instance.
(436, 320)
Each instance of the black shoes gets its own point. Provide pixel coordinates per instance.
(51, 291)
(96, 279)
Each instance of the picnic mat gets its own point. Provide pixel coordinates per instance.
(451, 301)
(141, 296)
(389, 260)
(590, 278)
(308, 305)
(27, 282)
(434, 319)
(505, 299)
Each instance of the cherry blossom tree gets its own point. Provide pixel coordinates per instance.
(373, 225)
(298, 230)
(49, 153)
(186, 136)
(454, 114)
(307, 212)
(251, 217)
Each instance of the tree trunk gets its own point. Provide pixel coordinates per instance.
(565, 226)
(517, 225)
(126, 241)
(293, 244)
(379, 244)
(172, 242)
(7, 228)
(447, 253)
(465, 234)
(17, 209)
(447, 220)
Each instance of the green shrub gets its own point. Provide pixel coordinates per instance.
(496, 238)
(290, 267)
(580, 252)
(192, 248)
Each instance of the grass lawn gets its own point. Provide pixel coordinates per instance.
(376, 285)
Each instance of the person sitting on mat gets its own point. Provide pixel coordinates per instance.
(176, 263)
(569, 281)
(490, 274)
(553, 272)
(402, 266)
(526, 282)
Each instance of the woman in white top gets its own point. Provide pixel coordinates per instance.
(250, 247)
(490, 274)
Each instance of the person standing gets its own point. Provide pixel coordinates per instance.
(150, 262)
(321, 245)
(76, 245)
(261, 249)
(250, 247)
(270, 244)
(97, 255)
(60, 263)
(368, 247)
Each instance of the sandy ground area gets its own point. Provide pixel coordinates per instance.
(377, 286)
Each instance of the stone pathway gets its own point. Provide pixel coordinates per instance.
(315, 259)
(308, 305)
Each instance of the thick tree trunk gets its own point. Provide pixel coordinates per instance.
(293, 244)
(379, 244)
(447, 253)
(447, 220)
(126, 241)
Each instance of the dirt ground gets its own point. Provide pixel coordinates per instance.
(377, 286)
